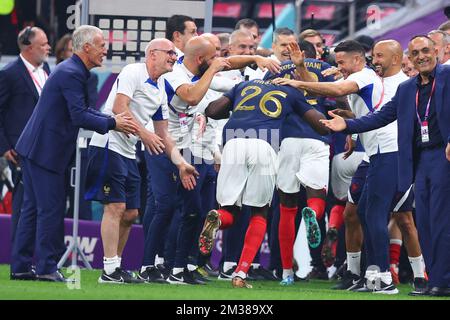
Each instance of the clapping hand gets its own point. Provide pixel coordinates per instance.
(125, 123)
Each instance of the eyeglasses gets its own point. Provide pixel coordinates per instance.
(171, 53)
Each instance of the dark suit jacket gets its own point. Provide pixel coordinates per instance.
(402, 108)
(49, 138)
(18, 97)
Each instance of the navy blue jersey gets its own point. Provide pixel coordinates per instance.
(260, 107)
(294, 126)
(339, 143)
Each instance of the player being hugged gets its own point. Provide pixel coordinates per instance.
(249, 162)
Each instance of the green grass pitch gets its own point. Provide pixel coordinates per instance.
(216, 290)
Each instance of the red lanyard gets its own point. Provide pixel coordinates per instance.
(36, 81)
(427, 111)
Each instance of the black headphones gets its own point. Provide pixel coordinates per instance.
(26, 36)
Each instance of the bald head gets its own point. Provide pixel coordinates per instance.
(391, 45)
(387, 57)
(214, 40)
(160, 57)
(160, 43)
(198, 46)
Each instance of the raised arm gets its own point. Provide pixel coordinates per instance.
(326, 89)
(298, 58)
(192, 94)
(219, 108)
(242, 61)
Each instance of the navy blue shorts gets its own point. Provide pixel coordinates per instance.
(403, 201)
(358, 181)
(112, 178)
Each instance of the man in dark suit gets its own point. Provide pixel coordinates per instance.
(21, 83)
(46, 148)
(421, 108)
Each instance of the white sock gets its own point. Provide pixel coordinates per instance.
(354, 262)
(110, 264)
(227, 265)
(418, 266)
(191, 267)
(159, 260)
(386, 277)
(177, 270)
(395, 241)
(143, 268)
(287, 273)
(120, 261)
(256, 265)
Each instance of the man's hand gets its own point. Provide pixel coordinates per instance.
(187, 175)
(201, 120)
(286, 82)
(268, 63)
(220, 64)
(333, 71)
(336, 124)
(447, 151)
(152, 142)
(11, 156)
(350, 145)
(297, 56)
(217, 160)
(125, 123)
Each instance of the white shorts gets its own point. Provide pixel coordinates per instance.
(303, 162)
(247, 173)
(342, 172)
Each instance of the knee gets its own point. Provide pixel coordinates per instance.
(261, 212)
(115, 211)
(405, 222)
(351, 217)
(130, 216)
(164, 205)
(288, 200)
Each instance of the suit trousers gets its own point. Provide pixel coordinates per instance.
(432, 195)
(42, 214)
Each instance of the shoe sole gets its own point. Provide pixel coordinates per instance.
(395, 291)
(177, 282)
(100, 280)
(312, 227)
(328, 256)
(208, 234)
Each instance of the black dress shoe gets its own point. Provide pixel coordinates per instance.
(52, 277)
(30, 276)
(420, 287)
(440, 292)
